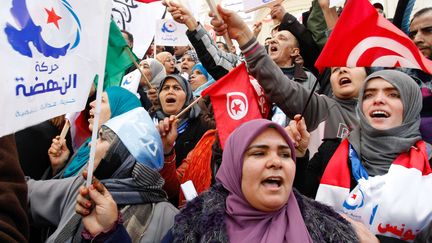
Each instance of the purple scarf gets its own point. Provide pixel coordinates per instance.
(244, 223)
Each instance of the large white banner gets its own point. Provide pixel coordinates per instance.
(170, 33)
(51, 51)
(139, 19)
(252, 5)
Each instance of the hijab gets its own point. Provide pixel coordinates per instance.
(193, 112)
(120, 101)
(130, 168)
(244, 223)
(378, 148)
(157, 70)
(209, 78)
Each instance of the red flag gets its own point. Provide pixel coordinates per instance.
(234, 101)
(147, 1)
(364, 38)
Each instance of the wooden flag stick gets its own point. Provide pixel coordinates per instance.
(148, 84)
(65, 129)
(213, 8)
(188, 107)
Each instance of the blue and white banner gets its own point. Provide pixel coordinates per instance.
(131, 81)
(138, 133)
(170, 33)
(51, 52)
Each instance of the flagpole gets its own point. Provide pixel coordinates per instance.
(148, 84)
(212, 7)
(95, 131)
(188, 107)
(65, 129)
(309, 98)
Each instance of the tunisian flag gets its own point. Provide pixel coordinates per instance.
(234, 101)
(363, 38)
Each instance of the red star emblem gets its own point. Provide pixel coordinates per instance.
(236, 108)
(354, 196)
(52, 17)
(397, 64)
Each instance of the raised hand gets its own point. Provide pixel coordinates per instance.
(297, 131)
(277, 13)
(168, 132)
(181, 14)
(58, 154)
(97, 207)
(257, 28)
(232, 24)
(152, 95)
(363, 233)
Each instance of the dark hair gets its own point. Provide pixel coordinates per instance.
(224, 45)
(129, 35)
(420, 13)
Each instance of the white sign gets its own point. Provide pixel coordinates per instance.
(252, 5)
(51, 52)
(336, 3)
(137, 17)
(170, 33)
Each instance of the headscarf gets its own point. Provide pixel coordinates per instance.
(120, 101)
(193, 55)
(210, 79)
(136, 153)
(244, 223)
(157, 70)
(378, 148)
(193, 112)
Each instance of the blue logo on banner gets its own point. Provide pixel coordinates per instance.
(29, 32)
(354, 201)
(169, 27)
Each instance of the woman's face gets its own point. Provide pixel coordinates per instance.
(105, 111)
(382, 105)
(197, 79)
(268, 171)
(167, 61)
(346, 82)
(172, 97)
(187, 63)
(147, 72)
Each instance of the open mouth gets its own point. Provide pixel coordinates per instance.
(170, 100)
(273, 49)
(344, 81)
(91, 115)
(379, 114)
(273, 181)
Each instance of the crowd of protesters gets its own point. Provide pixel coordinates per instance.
(343, 155)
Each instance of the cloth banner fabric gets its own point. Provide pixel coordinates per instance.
(51, 52)
(138, 17)
(376, 42)
(131, 81)
(234, 100)
(391, 204)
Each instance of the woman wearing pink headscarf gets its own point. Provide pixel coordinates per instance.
(253, 199)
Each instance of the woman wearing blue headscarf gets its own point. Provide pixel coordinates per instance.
(200, 79)
(115, 101)
(128, 167)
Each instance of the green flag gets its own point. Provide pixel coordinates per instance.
(117, 60)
